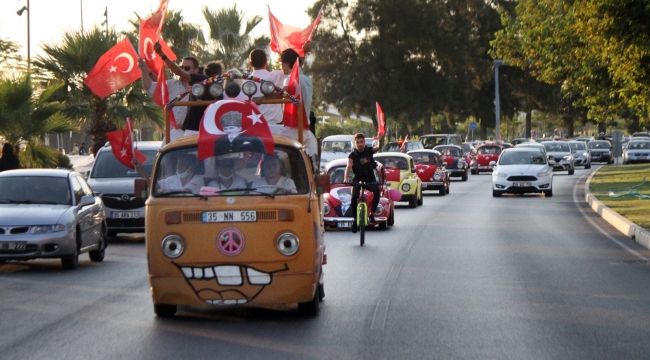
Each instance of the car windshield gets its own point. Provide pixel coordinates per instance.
(337, 146)
(337, 173)
(557, 147)
(639, 145)
(107, 166)
(522, 158)
(392, 147)
(35, 190)
(598, 145)
(424, 158)
(429, 142)
(449, 151)
(180, 173)
(393, 162)
(467, 148)
(489, 150)
(578, 146)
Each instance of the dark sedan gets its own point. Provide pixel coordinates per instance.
(601, 151)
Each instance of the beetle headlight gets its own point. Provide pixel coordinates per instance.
(198, 90)
(249, 88)
(215, 90)
(172, 246)
(288, 244)
(326, 208)
(437, 176)
(406, 187)
(267, 88)
(380, 209)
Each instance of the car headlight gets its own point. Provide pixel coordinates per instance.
(43, 229)
(380, 209)
(288, 244)
(567, 157)
(406, 187)
(544, 173)
(172, 246)
(437, 176)
(198, 90)
(326, 208)
(499, 174)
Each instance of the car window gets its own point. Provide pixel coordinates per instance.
(489, 150)
(578, 146)
(107, 166)
(522, 158)
(598, 145)
(77, 190)
(337, 174)
(337, 146)
(424, 158)
(639, 145)
(393, 162)
(35, 189)
(84, 186)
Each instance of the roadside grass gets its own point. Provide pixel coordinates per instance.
(620, 179)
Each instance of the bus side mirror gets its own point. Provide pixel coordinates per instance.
(140, 188)
(322, 184)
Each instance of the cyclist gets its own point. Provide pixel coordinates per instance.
(361, 163)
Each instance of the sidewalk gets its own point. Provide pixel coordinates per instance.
(622, 224)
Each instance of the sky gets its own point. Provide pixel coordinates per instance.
(49, 19)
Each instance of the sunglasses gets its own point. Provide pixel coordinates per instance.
(186, 68)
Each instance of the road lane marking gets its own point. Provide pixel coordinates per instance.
(393, 274)
(380, 315)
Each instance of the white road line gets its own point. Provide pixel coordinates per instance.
(593, 223)
(380, 315)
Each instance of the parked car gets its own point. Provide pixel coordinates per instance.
(113, 181)
(637, 151)
(336, 147)
(561, 153)
(581, 155)
(485, 154)
(432, 140)
(397, 146)
(401, 173)
(336, 216)
(454, 160)
(522, 170)
(431, 170)
(50, 213)
(601, 151)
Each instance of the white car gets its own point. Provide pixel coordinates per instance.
(336, 147)
(637, 151)
(522, 170)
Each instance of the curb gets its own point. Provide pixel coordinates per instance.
(625, 226)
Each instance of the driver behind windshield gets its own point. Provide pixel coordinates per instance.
(226, 176)
(185, 178)
(272, 180)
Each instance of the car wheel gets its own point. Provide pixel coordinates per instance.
(321, 291)
(588, 166)
(413, 202)
(571, 172)
(164, 310)
(383, 225)
(464, 177)
(312, 307)
(548, 193)
(473, 172)
(421, 199)
(391, 218)
(447, 188)
(98, 255)
(111, 233)
(442, 190)
(70, 262)
(496, 193)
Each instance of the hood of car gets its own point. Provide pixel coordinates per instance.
(32, 214)
(425, 171)
(112, 185)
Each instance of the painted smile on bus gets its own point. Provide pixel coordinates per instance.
(227, 284)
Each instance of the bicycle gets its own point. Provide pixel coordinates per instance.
(362, 211)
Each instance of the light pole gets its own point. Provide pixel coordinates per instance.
(20, 13)
(497, 101)
(81, 6)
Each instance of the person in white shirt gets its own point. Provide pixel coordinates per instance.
(184, 179)
(258, 60)
(271, 180)
(227, 178)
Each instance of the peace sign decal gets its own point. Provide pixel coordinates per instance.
(230, 241)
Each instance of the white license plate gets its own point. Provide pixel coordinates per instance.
(522, 184)
(344, 224)
(229, 216)
(13, 245)
(125, 214)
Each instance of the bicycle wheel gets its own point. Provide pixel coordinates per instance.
(362, 218)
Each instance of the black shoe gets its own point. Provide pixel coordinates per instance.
(354, 227)
(371, 218)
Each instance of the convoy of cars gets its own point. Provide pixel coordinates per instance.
(485, 154)
(455, 161)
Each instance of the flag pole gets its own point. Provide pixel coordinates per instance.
(167, 129)
(300, 124)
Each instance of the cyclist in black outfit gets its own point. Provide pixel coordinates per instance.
(361, 163)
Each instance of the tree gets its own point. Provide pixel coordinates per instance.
(70, 62)
(227, 42)
(26, 116)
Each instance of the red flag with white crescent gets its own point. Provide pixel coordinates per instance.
(381, 122)
(148, 37)
(161, 96)
(285, 37)
(122, 145)
(114, 70)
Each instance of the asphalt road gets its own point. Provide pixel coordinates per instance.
(464, 276)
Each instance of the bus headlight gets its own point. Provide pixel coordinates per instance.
(288, 244)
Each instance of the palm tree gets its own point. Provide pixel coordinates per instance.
(26, 116)
(70, 62)
(227, 43)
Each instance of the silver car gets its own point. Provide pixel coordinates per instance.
(562, 155)
(50, 213)
(581, 155)
(113, 181)
(637, 151)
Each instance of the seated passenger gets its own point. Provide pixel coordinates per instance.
(271, 180)
(184, 179)
(337, 177)
(227, 178)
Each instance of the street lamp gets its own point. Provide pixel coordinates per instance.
(20, 13)
(497, 101)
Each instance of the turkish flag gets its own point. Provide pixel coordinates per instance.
(122, 145)
(161, 96)
(403, 147)
(114, 70)
(254, 133)
(158, 17)
(290, 115)
(381, 121)
(148, 36)
(285, 37)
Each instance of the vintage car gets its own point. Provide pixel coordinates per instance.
(247, 230)
(431, 170)
(399, 145)
(455, 161)
(335, 147)
(337, 210)
(401, 173)
(485, 154)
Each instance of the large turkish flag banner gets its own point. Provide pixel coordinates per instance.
(285, 37)
(114, 70)
(149, 36)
